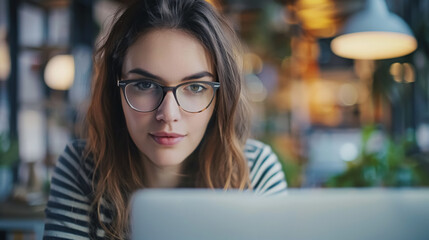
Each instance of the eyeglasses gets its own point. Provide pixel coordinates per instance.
(145, 95)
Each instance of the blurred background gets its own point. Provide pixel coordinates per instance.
(339, 88)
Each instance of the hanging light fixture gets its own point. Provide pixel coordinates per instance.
(374, 33)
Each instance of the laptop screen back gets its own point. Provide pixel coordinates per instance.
(299, 214)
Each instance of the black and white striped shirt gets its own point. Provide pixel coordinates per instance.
(68, 214)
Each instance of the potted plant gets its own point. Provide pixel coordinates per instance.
(389, 166)
(9, 155)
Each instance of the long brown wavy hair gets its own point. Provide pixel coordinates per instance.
(218, 161)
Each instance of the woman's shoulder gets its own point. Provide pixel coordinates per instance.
(75, 164)
(74, 152)
(69, 204)
(266, 174)
(76, 146)
(254, 149)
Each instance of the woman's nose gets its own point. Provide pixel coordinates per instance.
(169, 110)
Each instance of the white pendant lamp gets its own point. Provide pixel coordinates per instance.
(374, 33)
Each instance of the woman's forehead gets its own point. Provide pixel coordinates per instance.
(168, 53)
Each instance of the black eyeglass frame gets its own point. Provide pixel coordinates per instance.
(123, 83)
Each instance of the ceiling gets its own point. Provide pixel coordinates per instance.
(318, 18)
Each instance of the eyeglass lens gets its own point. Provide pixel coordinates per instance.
(146, 96)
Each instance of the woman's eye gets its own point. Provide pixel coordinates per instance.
(196, 88)
(144, 85)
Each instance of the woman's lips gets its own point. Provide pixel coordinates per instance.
(167, 139)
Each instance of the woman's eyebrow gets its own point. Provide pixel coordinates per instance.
(198, 76)
(147, 74)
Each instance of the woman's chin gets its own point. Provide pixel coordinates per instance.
(167, 161)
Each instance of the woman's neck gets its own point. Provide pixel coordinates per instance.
(162, 177)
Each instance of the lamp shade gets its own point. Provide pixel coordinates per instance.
(374, 33)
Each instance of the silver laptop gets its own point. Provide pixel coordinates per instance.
(298, 215)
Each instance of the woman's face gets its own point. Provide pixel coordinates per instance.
(168, 134)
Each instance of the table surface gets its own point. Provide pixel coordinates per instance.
(20, 217)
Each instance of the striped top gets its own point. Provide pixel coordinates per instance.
(68, 214)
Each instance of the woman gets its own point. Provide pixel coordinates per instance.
(167, 111)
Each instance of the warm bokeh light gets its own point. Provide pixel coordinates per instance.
(396, 72)
(402, 73)
(4, 56)
(59, 72)
(323, 102)
(323, 94)
(348, 95)
(318, 17)
(373, 45)
(409, 75)
(252, 63)
(4, 60)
